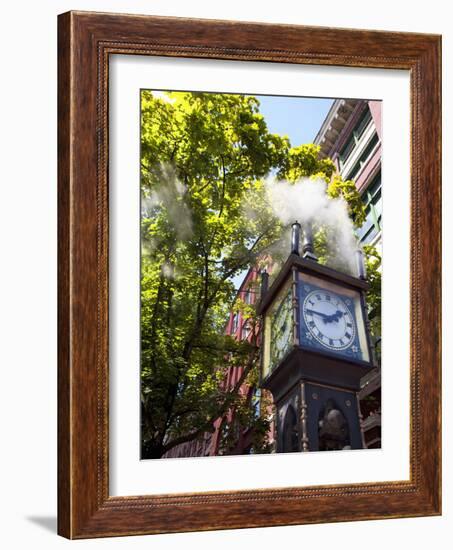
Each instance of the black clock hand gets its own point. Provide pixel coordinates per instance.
(326, 318)
(337, 315)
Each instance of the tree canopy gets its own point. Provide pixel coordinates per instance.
(205, 219)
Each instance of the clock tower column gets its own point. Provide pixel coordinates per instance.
(316, 348)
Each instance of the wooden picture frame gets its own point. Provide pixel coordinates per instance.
(85, 41)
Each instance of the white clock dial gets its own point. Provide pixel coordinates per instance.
(329, 319)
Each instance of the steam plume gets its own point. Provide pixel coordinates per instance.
(307, 201)
(168, 193)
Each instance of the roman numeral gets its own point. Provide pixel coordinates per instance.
(347, 335)
(349, 325)
(341, 342)
(311, 324)
(331, 343)
(328, 297)
(318, 297)
(310, 302)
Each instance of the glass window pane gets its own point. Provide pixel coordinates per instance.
(347, 150)
(364, 121)
(372, 198)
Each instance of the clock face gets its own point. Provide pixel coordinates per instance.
(281, 329)
(329, 320)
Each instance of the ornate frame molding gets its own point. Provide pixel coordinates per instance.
(85, 42)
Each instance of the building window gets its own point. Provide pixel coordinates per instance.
(255, 402)
(363, 123)
(372, 198)
(353, 141)
(246, 330)
(248, 298)
(235, 323)
(363, 159)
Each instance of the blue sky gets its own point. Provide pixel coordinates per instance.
(297, 117)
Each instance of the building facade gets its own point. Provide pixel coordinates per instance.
(351, 136)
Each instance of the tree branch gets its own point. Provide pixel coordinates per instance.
(208, 426)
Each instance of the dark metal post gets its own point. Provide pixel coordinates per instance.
(308, 250)
(360, 262)
(295, 238)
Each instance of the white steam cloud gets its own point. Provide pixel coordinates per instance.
(306, 201)
(168, 193)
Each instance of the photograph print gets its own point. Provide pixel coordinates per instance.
(261, 246)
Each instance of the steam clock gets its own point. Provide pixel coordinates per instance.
(316, 348)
